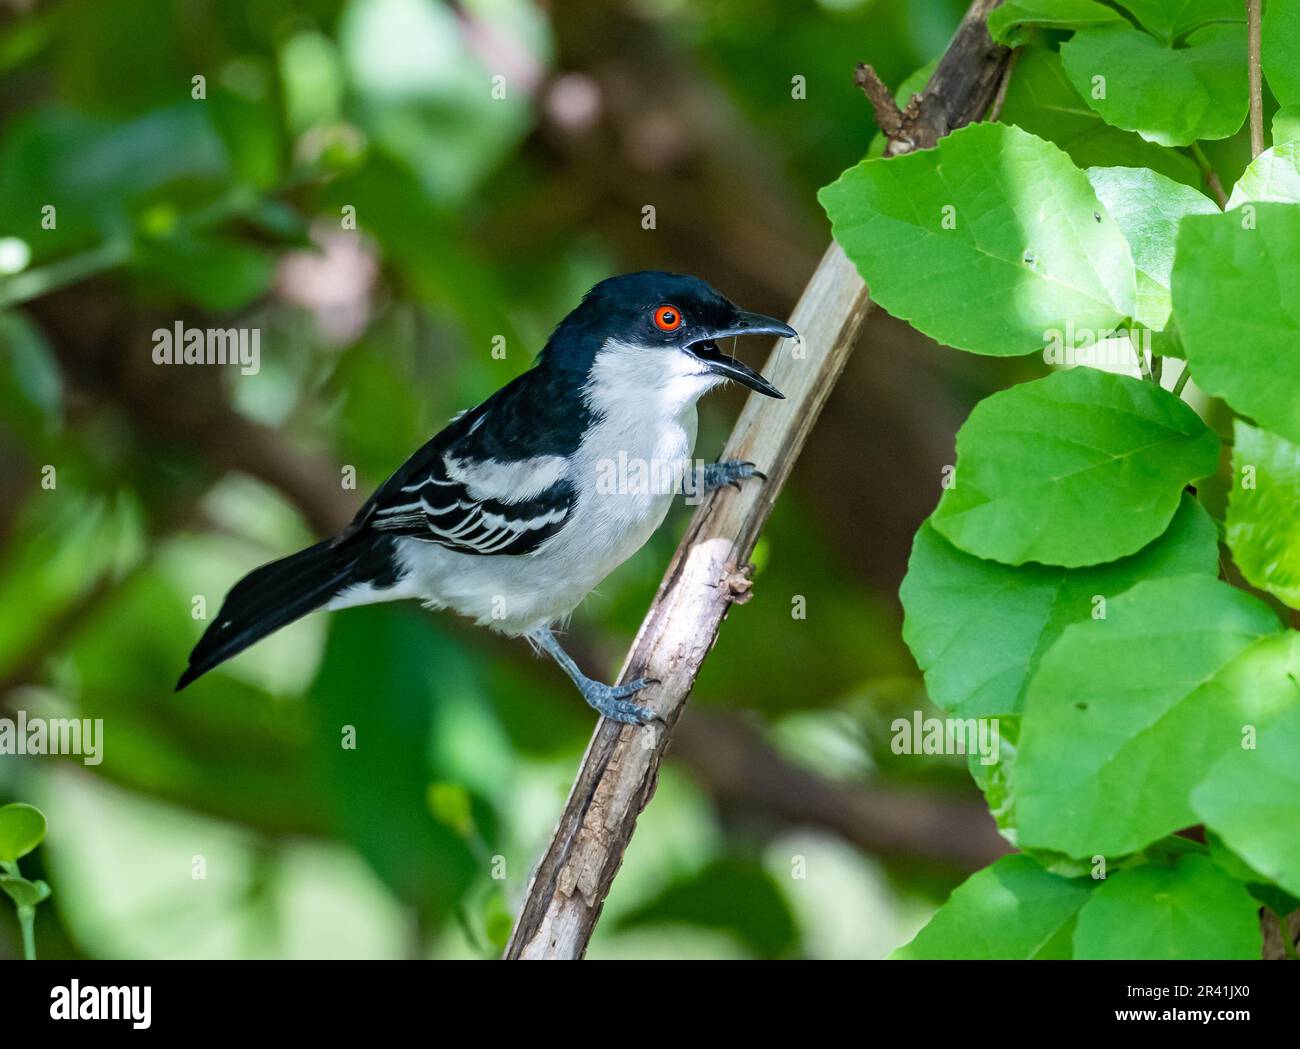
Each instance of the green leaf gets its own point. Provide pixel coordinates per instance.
(733, 895)
(1280, 57)
(994, 779)
(214, 272)
(1075, 469)
(1169, 19)
(1042, 100)
(251, 132)
(1188, 909)
(1251, 798)
(1264, 511)
(1011, 910)
(998, 219)
(282, 222)
(1236, 292)
(1286, 125)
(1126, 713)
(1233, 865)
(375, 779)
(498, 919)
(31, 384)
(1279, 901)
(24, 893)
(1148, 207)
(978, 628)
(311, 78)
(1010, 23)
(1273, 175)
(22, 828)
(1167, 95)
(101, 170)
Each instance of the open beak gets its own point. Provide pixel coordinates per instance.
(706, 351)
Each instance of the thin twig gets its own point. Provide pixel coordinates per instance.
(1253, 34)
(1144, 370)
(1210, 175)
(889, 118)
(709, 571)
(995, 110)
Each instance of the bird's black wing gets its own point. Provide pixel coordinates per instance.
(441, 508)
(493, 482)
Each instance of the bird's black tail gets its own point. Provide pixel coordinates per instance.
(271, 597)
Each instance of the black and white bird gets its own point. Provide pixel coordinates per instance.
(521, 506)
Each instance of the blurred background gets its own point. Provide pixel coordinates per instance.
(229, 821)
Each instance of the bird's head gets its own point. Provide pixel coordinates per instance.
(660, 330)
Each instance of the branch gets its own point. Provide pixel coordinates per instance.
(1210, 175)
(1256, 81)
(311, 482)
(736, 765)
(889, 118)
(709, 571)
(995, 110)
(970, 72)
(1281, 936)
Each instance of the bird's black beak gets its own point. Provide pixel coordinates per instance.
(706, 350)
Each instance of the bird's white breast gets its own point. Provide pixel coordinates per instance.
(626, 471)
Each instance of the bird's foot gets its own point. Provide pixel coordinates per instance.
(611, 701)
(729, 472)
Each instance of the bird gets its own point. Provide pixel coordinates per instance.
(520, 507)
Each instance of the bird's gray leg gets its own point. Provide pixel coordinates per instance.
(728, 472)
(609, 700)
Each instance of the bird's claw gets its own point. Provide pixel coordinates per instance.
(730, 472)
(611, 701)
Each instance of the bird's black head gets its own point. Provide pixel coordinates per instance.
(663, 325)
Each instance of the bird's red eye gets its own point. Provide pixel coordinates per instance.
(668, 318)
